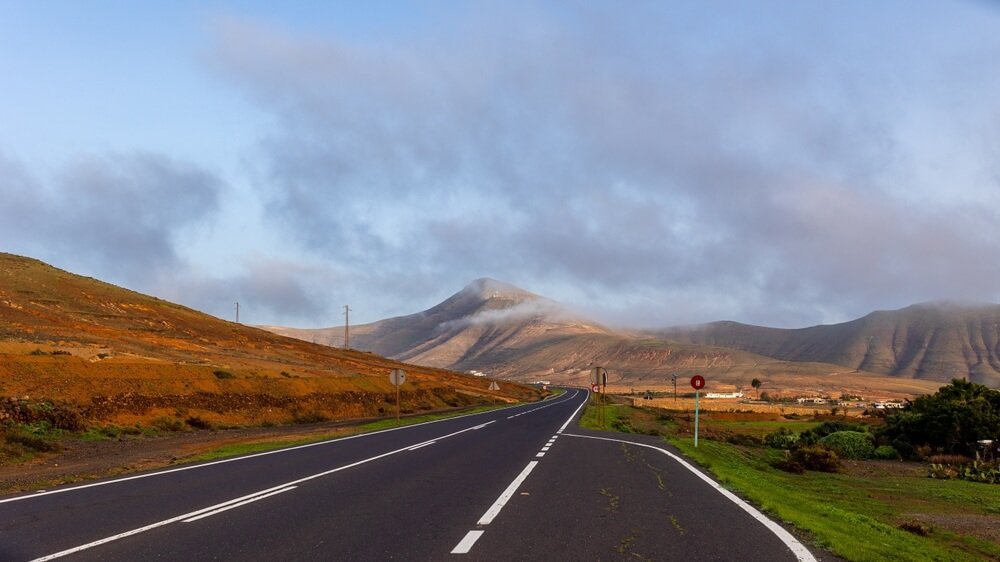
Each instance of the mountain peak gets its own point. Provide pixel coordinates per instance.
(490, 289)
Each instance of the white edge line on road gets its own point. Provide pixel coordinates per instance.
(798, 549)
(465, 545)
(40, 493)
(494, 509)
(268, 491)
(542, 407)
(575, 412)
(235, 505)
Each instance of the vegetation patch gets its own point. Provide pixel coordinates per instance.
(858, 509)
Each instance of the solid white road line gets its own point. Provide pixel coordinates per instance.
(41, 493)
(424, 444)
(235, 505)
(268, 491)
(798, 549)
(575, 392)
(465, 545)
(494, 509)
(575, 412)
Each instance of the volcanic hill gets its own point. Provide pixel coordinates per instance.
(504, 331)
(931, 341)
(110, 355)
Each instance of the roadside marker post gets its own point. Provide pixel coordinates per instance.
(599, 382)
(697, 382)
(396, 377)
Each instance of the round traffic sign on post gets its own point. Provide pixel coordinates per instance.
(595, 387)
(698, 382)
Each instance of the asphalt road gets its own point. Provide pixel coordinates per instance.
(523, 483)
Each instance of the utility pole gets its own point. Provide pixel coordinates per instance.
(347, 327)
(237, 312)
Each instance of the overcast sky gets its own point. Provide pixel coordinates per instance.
(646, 163)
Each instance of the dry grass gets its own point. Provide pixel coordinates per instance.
(121, 357)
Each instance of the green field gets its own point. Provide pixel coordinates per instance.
(874, 510)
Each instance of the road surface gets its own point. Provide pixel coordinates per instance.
(522, 483)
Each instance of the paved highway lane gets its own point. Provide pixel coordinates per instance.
(512, 484)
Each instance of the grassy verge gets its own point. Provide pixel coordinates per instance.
(861, 514)
(238, 449)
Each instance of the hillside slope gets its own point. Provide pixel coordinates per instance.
(931, 341)
(510, 333)
(115, 355)
(463, 332)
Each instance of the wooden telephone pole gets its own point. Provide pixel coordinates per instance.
(347, 327)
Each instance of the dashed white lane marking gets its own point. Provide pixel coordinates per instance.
(798, 549)
(472, 536)
(494, 509)
(241, 501)
(465, 545)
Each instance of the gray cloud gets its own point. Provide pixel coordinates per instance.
(767, 177)
(118, 215)
(269, 291)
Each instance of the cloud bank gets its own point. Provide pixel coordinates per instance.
(654, 175)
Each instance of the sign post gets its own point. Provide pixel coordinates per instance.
(494, 386)
(396, 377)
(697, 382)
(599, 382)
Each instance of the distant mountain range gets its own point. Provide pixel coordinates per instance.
(934, 341)
(506, 331)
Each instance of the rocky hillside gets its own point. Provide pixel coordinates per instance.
(511, 333)
(932, 341)
(114, 355)
(473, 329)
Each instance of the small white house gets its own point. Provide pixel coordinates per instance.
(723, 395)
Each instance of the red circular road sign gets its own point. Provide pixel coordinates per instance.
(698, 382)
(596, 388)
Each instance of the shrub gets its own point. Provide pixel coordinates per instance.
(309, 417)
(916, 528)
(789, 465)
(850, 444)
(220, 374)
(744, 439)
(198, 423)
(955, 460)
(167, 424)
(817, 457)
(981, 471)
(952, 419)
(784, 438)
(826, 428)
(886, 452)
(32, 441)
